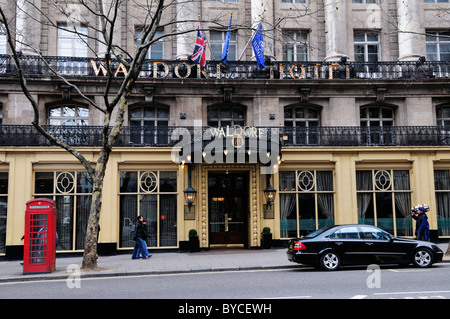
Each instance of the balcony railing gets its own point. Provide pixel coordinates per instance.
(234, 70)
(345, 136)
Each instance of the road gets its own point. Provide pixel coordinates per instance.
(297, 283)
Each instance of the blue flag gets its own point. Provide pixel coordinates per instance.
(225, 46)
(258, 47)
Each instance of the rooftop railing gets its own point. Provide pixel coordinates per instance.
(245, 137)
(234, 70)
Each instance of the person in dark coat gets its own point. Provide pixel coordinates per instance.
(140, 234)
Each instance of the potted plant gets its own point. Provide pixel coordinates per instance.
(266, 240)
(194, 243)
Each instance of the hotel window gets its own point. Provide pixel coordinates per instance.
(303, 121)
(442, 191)
(72, 42)
(306, 201)
(295, 45)
(295, 1)
(153, 195)
(438, 46)
(149, 125)
(2, 41)
(217, 41)
(376, 122)
(365, 1)
(384, 200)
(3, 209)
(156, 50)
(72, 192)
(367, 51)
(226, 115)
(68, 114)
(443, 115)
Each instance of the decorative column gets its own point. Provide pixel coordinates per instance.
(187, 11)
(335, 29)
(410, 31)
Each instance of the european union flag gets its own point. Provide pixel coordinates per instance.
(258, 47)
(225, 46)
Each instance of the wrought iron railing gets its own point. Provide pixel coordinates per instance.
(234, 70)
(253, 137)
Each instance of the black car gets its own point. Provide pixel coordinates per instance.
(333, 246)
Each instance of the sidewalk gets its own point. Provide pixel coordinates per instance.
(162, 263)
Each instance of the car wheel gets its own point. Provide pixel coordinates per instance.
(422, 258)
(330, 261)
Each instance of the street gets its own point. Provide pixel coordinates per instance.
(387, 282)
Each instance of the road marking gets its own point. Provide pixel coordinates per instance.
(411, 292)
(359, 297)
(409, 270)
(289, 297)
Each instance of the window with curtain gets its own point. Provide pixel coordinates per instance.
(153, 195)
(72, 192)
(443, 115)
(384, 200)
(306, 201)
(3, 209)
(442, 189)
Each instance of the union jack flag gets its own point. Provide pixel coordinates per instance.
(199, 54)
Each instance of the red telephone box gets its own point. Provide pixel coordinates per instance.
(39, 252)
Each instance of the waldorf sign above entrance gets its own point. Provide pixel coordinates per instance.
(230, 144)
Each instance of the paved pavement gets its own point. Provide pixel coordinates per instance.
(161, 263)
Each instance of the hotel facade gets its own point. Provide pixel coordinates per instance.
(348, 122)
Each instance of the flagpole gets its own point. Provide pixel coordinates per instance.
(250, 40)
(209, 46)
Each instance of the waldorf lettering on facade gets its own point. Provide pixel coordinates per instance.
(228, 145)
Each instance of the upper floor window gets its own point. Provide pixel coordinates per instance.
(365, 1)
(149, 124)
(2, 41)
(226, 115)
(301, 116)
(68, 115)
(436, 1)
(156, 50)
(72, 41)
(217, 40)
(367, 47)
(443, 115)
(438, 46)
(376, 116)
(295, 1)
(295, 45)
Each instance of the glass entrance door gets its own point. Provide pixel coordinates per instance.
(228, 207)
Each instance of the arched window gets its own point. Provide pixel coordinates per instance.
(68, 114)
(301, 122)
(377, 116)
(302, 116)
(149, 124)
(377, 121)
(226, 115)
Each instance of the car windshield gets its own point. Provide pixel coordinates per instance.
(317, 232)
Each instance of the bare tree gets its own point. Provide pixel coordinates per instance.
(103, 19)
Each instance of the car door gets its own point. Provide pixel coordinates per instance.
(380, 245)
(349, 243)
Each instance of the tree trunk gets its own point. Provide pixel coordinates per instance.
(90, 255)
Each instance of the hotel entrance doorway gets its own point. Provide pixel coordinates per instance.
(228, 208)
